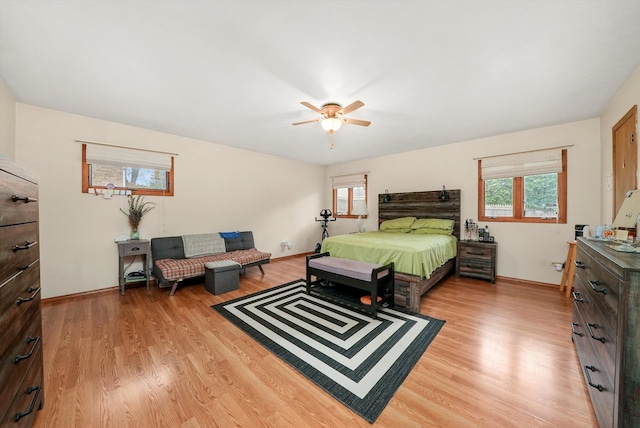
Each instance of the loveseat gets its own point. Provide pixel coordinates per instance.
(176, 258)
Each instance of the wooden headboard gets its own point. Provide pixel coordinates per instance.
(421, 205)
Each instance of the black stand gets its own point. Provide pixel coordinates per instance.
(325, 214)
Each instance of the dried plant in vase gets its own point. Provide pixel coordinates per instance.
(137, 209)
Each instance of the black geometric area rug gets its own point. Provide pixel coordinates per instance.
(359, 361)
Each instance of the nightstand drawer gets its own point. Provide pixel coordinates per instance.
(132, 248)
(477, 266)
(476, 253)
(476, 273)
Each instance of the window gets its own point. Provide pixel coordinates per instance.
(140, 171)
(528, 187)
(349, 193)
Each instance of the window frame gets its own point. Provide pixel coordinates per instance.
(146, 192)
(518, 199)
(350, 200)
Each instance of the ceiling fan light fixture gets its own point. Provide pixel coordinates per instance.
(332, 115)
(331, 124)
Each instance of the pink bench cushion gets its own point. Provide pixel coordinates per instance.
(174, 270)
(345, 267)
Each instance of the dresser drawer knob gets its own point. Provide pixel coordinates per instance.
(26, 246)
(573, 329)
(580, 264)
(31, 389)
(34, 292)
(586, 372)
(30, 339)
(26, 199)
(577, 297)
(594, 325)
(594, 287)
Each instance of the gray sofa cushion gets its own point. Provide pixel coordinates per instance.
(245, 242)
(170, 247)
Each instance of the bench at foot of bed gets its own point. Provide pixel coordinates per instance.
(374, 280)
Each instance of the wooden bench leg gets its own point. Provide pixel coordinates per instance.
(572, 271)
(569, 270)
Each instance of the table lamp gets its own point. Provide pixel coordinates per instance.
(628, 214)
(629, 210)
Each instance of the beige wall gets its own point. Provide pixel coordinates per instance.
(215, 193)
(622, 102)
(525, 250)
(7, 122)
(218, 188)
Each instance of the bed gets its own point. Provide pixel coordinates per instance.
(421, 259)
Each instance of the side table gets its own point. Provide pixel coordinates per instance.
(132, 248)
(477, 259)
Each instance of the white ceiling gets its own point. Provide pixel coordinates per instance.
(430, 72)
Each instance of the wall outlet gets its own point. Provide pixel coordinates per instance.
(559, 266)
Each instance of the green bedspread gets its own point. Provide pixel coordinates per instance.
(413, 254)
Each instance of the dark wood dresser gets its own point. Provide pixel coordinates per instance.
(477, 259)
(606, 330)
(21, 369)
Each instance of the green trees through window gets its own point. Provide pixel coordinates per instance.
(526, 198)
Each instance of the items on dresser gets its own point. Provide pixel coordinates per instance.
(605, 325)
(484, 236)
(21, 374)
(470, 230)
(477, 259)
(579, 230)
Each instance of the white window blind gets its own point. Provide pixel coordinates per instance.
(521, 164)
(123, 157)
(344, 181)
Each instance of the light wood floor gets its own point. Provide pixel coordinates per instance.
(504, 358)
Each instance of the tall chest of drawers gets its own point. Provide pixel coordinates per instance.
(606, 330)
(21, 374)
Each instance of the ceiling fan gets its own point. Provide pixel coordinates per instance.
(332, 115)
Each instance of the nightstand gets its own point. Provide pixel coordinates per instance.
(133, 248)
(477, 259)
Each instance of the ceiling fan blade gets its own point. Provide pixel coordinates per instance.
(351, 107)
(357, 122)
(306, 121)
(311, 106)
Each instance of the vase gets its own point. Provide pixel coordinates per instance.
(135, 234)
